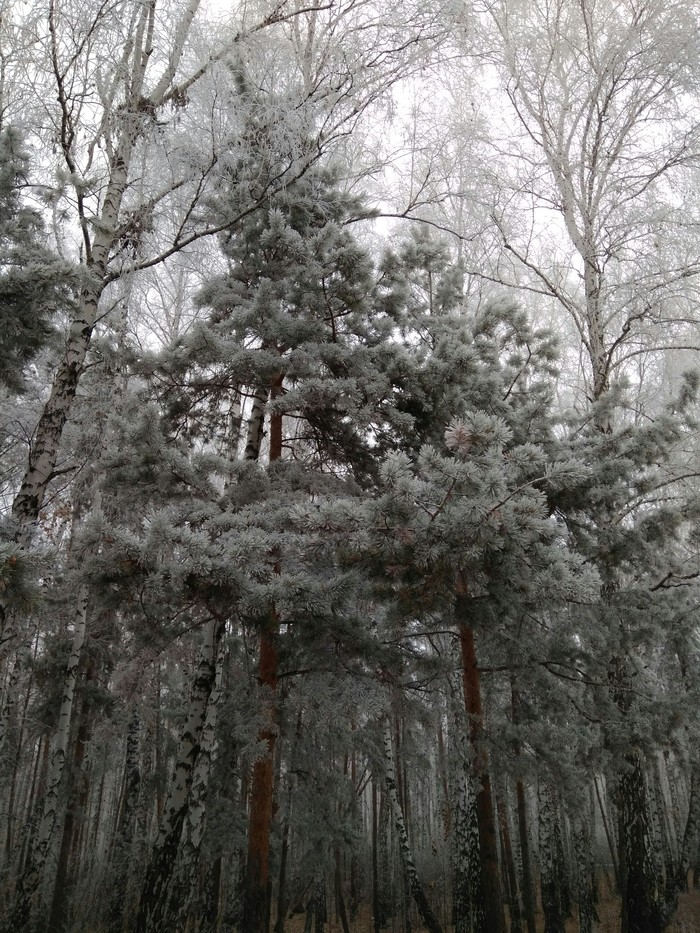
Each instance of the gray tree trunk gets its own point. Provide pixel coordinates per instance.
(26, 904)
(422, 903)
(153, 906)
(550, 862)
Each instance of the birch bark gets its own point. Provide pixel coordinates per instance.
(426, 912)
(156, 890)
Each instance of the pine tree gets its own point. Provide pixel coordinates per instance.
(466, 530)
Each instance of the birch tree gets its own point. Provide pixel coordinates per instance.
(606, 149)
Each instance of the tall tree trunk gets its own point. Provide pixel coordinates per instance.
(689, 847)
(419, 896)
(509, 865)
(468, 906)
(587, 914)
(471, 682)
(258, 884)
(75, 812)
(339, 897)
(641, 910)
(551, 867)
(33, 876)
(151, 917)
(185, 899)
(608, 834)
(125, 830)
(524, 841)
(258, 890)
(660, 829)
(377, 920)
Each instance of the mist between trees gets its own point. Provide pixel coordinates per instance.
(350, 546)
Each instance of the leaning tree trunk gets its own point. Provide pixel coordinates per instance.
(471, 682)
(33, 876)
(422, 903)
(151, 916)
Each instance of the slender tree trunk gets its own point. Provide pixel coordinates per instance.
(26, 898)
(258, 880)
(127, 823)
(258, 885)
(524, 842)
(284, 852)
(675, 811)
(660, 830)
(377, 924)
(77, 798)
(442, 768)
(151, 917)
(509, 865)
(551, 867)
(587, 914)
(339, 898)
(471, 681)
(608, 834)
(422, 903)
(282, 897)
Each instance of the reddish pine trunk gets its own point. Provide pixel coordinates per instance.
(258, 884)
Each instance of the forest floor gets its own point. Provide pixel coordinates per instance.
(686, 920)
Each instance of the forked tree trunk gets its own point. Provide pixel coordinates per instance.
(419, 896)
(471, 681)
(151, 917)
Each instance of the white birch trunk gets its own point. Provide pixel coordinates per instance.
(468, 900)
(186, 886)
(256, 424)
(424, 908)
(156, 889)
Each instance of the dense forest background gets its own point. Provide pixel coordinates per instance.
(350, 530)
